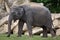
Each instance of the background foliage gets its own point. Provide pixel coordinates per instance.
(53, 5)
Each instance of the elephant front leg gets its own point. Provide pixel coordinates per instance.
(29, 30)
(29, 22)
(9, 30)
(20, 27)
(9, 25)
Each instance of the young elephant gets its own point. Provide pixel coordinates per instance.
(32, 16)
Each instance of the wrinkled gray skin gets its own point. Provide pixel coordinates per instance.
(32, 16)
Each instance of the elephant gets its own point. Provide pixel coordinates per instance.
(32, 16)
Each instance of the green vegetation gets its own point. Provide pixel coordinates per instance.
(53, 5)
(35, 37)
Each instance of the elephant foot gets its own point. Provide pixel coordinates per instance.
(53, 35)
(45, 36)
(19, 36)
(8, 35)
(30, 35)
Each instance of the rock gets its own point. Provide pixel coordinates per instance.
(34, 30)
(58, 32)
(47, 34)
(25, 27)
(55, 23)
(56, 20)
(55, 16)
(15, 31)
(3, 20)
(3, 29)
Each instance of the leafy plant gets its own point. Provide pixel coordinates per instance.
(53, 5)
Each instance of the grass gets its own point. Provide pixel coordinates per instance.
(24, 37)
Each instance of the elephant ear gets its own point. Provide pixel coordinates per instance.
(22, 10)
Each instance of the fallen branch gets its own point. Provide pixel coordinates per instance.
(34, 31)
(3, 20)
(7, 7)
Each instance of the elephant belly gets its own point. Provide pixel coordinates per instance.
(40, 21)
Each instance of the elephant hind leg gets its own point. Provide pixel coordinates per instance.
(44, 31)
(52, 31)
